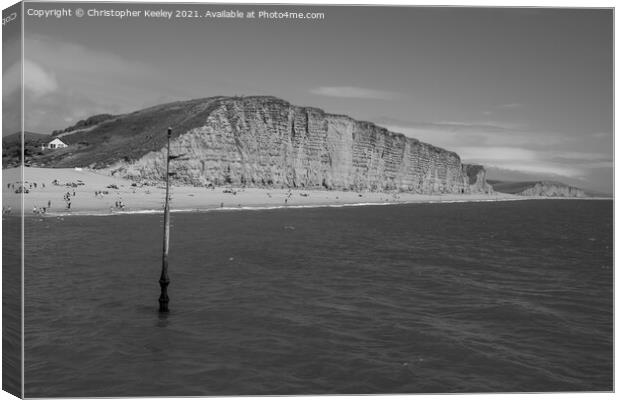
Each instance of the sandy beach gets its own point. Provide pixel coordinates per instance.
(93, 192)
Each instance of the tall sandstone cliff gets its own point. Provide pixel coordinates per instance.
(265, 141)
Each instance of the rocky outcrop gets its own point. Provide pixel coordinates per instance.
(539, 188)
(477, 178)
(553, 189)
(265, 141)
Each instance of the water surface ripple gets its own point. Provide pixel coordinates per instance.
(419, 298)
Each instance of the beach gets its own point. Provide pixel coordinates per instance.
(62, 191)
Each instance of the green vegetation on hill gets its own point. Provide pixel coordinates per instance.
(85, 123)
(127, 137)
(11, 147)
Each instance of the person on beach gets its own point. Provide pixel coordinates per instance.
(49, 204)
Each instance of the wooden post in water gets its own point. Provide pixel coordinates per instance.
(164, 281)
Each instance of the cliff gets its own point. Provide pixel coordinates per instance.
(539, 188)
(265, 141)
(477, 178)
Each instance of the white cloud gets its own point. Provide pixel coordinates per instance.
(520, 159)
(510, 106)
(598, 164)
(63, 56)
(92, 82)
(455, 136)
(37, 81)
(354, 92)
(578, 156)
(505, 154)
(540, 168)
(507, 147)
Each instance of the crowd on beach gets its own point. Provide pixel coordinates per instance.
(68, 197)
(26, 187)
(109, 196)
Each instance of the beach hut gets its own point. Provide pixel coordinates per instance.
(56, 144)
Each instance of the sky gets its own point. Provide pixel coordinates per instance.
(526, 92)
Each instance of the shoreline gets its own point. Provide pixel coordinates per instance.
(91, 193)
(261, 208)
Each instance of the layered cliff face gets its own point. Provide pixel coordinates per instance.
(553, 189)
(264, 141)
(477, 178)
(539, 188)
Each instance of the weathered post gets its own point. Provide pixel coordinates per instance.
(164, 281)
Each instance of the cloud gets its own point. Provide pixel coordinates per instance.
(497, 153)
(504, 146)
(475, 126)
(541, 169)
(37, 81)
(569, 164)
(510, 106)
(66, 82)
(577, 156)
(66, 56)
(599, 164)
(354, 92)
(455, 135)
(520, 159)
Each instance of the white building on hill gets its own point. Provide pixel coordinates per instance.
(54, 144)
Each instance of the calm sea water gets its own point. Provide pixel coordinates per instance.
(464, 297)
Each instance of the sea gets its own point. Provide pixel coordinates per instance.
(512, 296)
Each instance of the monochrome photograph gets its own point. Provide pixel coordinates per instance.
(283, 199)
